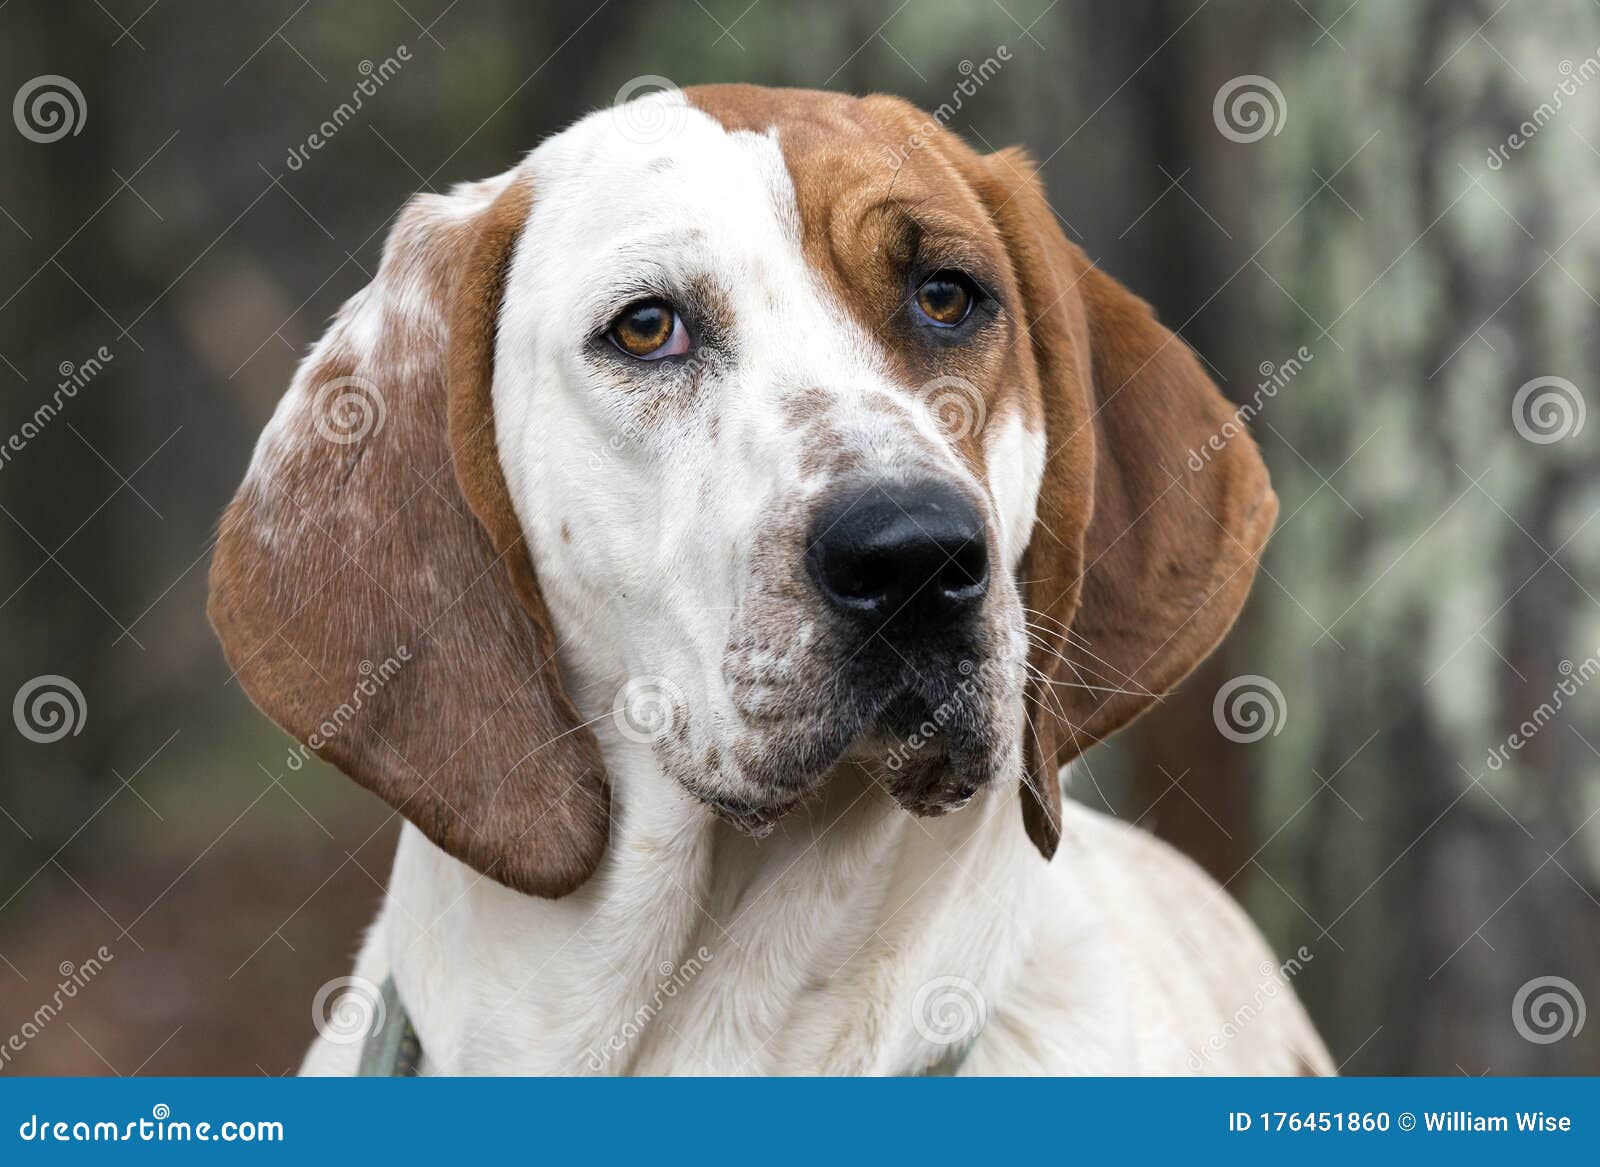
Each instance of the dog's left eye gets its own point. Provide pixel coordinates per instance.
(649, 330)
(946, 298)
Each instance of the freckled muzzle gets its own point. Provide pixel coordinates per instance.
(877, 636)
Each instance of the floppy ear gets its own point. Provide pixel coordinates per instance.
(1154, 507)
(370, 584)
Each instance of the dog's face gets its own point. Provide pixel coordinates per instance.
(782, 482)
(783, 417)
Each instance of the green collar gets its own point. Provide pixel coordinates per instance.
(391, 1049)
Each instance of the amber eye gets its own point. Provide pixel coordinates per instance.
(649, 330)
(945, 298)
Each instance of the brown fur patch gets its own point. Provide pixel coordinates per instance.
(874, 215)
(806, 405)
(1145, 560)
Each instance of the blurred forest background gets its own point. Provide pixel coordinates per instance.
(1384, 212)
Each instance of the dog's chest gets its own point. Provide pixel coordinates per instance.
(860, 950)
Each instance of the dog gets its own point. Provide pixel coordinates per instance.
(707, 535)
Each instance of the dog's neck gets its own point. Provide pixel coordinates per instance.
(696, 949)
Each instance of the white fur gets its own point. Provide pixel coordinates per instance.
(840, 944)
(1015, 456)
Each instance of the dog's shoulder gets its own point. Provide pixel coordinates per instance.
(1207, 993)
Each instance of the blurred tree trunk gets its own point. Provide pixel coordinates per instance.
(60, 617)
(1201, 784)
(1433, 589)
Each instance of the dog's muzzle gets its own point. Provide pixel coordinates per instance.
(904, 570)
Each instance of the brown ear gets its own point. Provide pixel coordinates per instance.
(370, 584)
(1154, 508)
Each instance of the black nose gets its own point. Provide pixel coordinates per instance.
(910, 555)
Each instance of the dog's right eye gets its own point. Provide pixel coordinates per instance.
(649, 330)
(946, 298)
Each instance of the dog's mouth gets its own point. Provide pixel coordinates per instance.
(929, 741)
(754, 819)
(940, 753)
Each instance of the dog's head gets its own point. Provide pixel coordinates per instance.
(784, 421)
